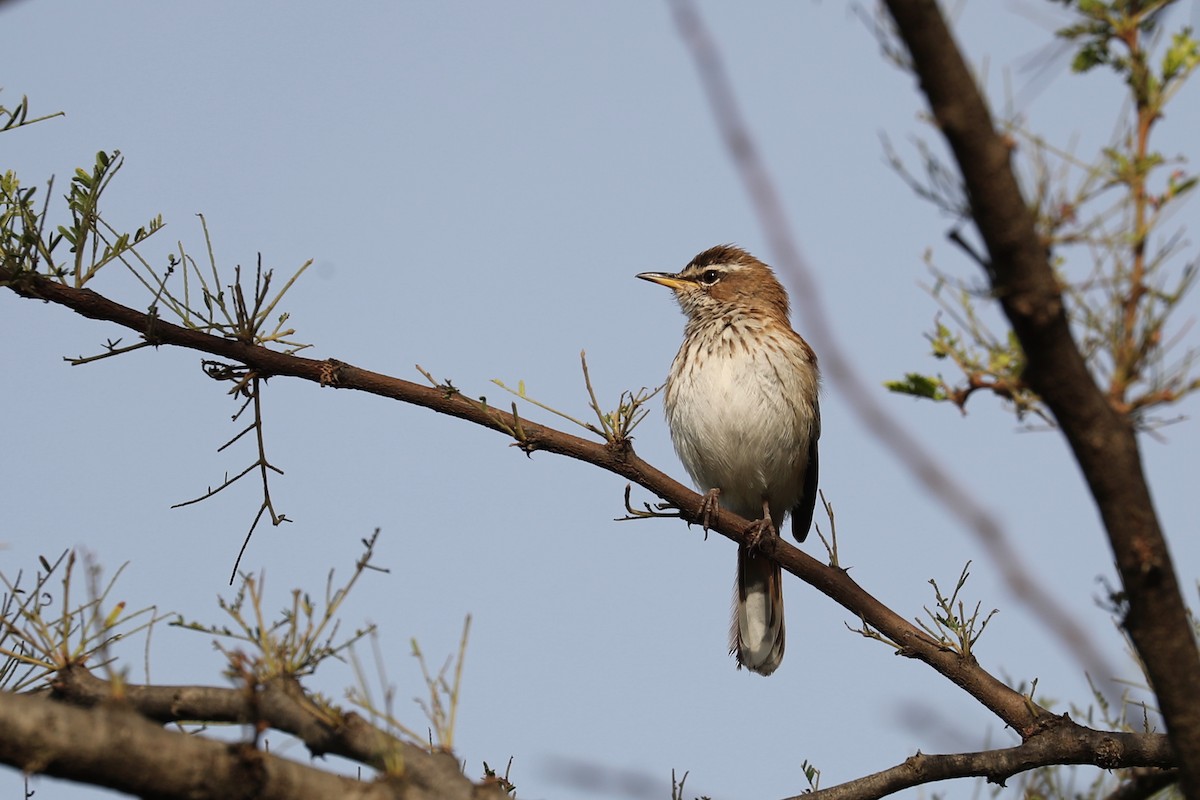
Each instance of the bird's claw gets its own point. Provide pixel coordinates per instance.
(709, 508)
(759, 531)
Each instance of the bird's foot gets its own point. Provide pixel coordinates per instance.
(709, 507)
(760, 529)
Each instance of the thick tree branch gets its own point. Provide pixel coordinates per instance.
(1102, 441)
(281, 705)
(111, 745)
(1065, 743)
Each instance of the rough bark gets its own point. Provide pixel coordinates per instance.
(112, 745)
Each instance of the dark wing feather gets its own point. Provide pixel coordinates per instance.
(802, 512)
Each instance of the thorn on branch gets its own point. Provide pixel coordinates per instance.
(867, 632)
(448, 388)
(955, 236)
(517, 431)
(111, 348)
(658, 510)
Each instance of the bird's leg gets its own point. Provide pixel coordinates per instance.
(709, 507)
(761, 528)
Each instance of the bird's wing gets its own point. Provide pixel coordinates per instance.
(802, 512)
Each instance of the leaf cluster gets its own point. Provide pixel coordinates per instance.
(1108, 213)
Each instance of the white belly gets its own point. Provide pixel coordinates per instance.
(743, 425)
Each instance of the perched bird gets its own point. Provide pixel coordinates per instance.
(741, 401)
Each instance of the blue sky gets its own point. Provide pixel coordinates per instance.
(477, 185)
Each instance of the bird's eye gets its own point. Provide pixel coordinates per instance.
(710, 277)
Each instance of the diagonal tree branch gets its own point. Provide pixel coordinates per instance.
(1015, 709)
(1103, 443)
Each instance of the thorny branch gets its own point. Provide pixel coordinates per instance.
(1016, 710)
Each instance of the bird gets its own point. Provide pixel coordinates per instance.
(742, 404)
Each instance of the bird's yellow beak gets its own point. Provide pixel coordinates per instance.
(665, 279)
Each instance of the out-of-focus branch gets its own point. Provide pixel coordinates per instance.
(1103, 443)
(1143, 784)
(112, 745)
(836, 364)
(281, 705)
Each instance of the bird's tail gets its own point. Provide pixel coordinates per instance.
(757, 631)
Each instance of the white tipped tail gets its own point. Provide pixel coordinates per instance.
(757, 630)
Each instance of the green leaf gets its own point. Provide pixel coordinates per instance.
(1179, 187)
(1092, 54)
(1181, 57)
(917, 385)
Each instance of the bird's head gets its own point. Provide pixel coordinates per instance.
(723, 279)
